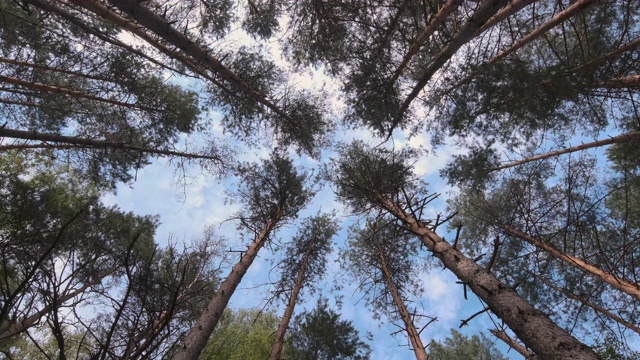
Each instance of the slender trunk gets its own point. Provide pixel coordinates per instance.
(624, 138)
(595, 307)
(276, 349)
(70, 92)
(555, 21)
(78, 142)
(449, 7)
(164, 30)
(410, 328)
(618, 283)
(35, 318)
(624, 82)
(512, 8)
(197, 337)
(610, 56)
(533, 327)
(479, 18)
(514, 344)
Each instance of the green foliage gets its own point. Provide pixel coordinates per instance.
(612, 349)
(460, 347)
(246, 334)
(320, 335)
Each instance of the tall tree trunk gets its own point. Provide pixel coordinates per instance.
(449, 7)
(623, 82)
(534, 328)
(276, 349)
(595, 307)
(618, 283)
(164, 30)
(78, 142)
(610, 56)
(410, 328)
(555, 21)
(479, 18)
(71, 92)
(514, 344)
(613, 140)
(197, 337)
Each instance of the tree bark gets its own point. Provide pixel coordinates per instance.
(595, 307)
(618, 283)
(276, 349)
(555, 21)
(512, 8)
(530, 325)
(449, 7)
(514, 345)
(624, 82)
(410, 328)
(196, 339)
(479, 18)
(78, 142)
(613, 140)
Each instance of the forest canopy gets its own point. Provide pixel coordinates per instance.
(345, 152)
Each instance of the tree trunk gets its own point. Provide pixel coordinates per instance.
(595, 307)
(449, 7)
(196, 339)
(514, 344)
(479, 18)
(624, 82)
(71, 92)
(530, 325)
(512, 8)
(164, 30)
(610, 56)
(618, 283)
(410, 328)
(51, 69)
(78, 142)
(555, 21)
(613, 140)
(276, 349)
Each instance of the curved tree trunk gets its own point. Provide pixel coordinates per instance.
(624, 138)
(618, 283)
(530, 325)
(410, 328)
(276, 349)
(479, 18)
(197, 337)
(555, 21)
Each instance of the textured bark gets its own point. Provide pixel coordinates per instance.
(276, 349)
(618, 283)
(555, 21)
(410, 328)
(164, 30)
(78, 142)
(449, 7)
(530, 325)
(632, 136)
(595, 307)
(196, 339)
(514, 345)
(70, 92)
(479, 18)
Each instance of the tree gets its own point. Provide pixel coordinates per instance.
(381, 258)
(303, 265)
(272, 195)
(242, 334)
(320, 334)
(460, 347)
(380, 177)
